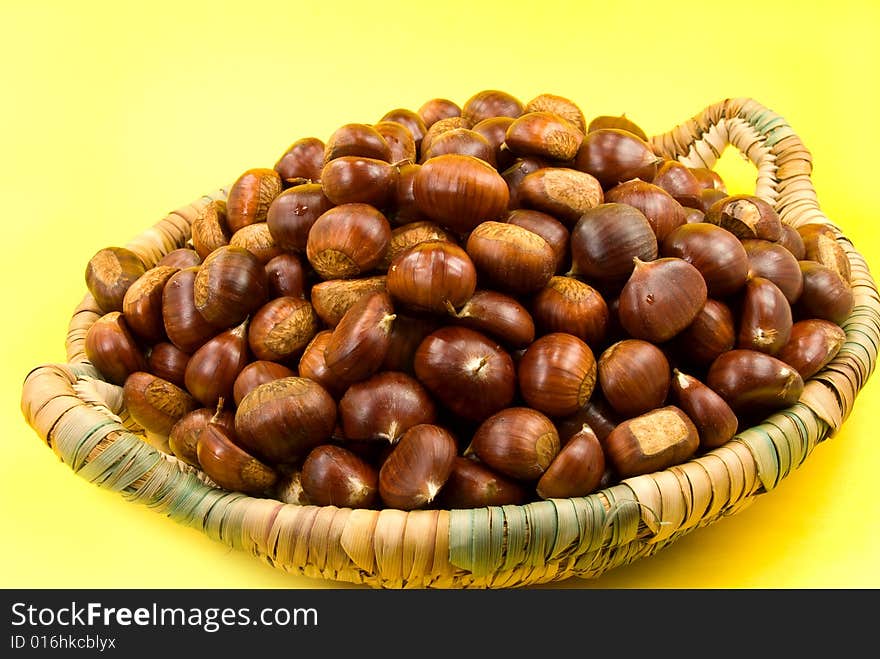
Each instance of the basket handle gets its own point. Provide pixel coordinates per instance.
(784, 164)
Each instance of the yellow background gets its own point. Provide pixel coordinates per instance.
(112, 116)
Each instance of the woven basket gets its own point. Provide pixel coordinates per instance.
(82, 418)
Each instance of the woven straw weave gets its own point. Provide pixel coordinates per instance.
(82, 419)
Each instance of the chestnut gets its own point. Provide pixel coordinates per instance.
(285, 276)
(142, 304)
(180, 258)
(355, 179)
(256, 373)
(607, 238)
(431, 276)
(825, 294)
(400, 140)
(112, 348)
(514, 175)
(334, 476)
(519, 442)
(577, 470)
(230, 466)
(765, 319)
(634, 376)
(754, 383)
(715, 421)
(347, 241)
(662, 211)
(384, 406)
(458, 191)
(229, 285)
(250, 196)
(358, 344)
(543, 134)
(282, 420)
(302, 160)
(333, 297)
(596, 414)
(408, 235)
(293, 212)
(417, 467)
(562, 192)
(466, 371)
(435, 130)
(821, 246)
(435, 109)
(494, 129)
(403, 208)
(356, 139)
(184, 325)
(714, 251)
(550, 229)
(711, 332)
(313, 366)
(473, 484)
(614, 155)
(661, 298)
(497, 315)
(680, 182)
(746, 216)
(155, 404)
(793, 242)
(281, 328)
(168, 362)
(183, 438)
(652, 442)
(557, 374)
(210, 229)
(709, 179)
(510, 258)
(212, 369)
(560, 106)
(569, 305)
(406, 335)
(813, 343)
(620, 122)
(462, 141)
(774, 262)
(109, 273)
(490, 103)
(409, 119)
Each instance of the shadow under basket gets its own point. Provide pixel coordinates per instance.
(82, 419)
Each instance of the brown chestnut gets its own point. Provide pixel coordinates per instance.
(614, 155)
(490, 103)
(334, 476)
(210, 229)
(607, 239)
(180, 258)
(709, 179)
(499, 316)
(662, 211)
(562, 192)
(661, 298)
(680, 182)
(302, 161)
(510, 258)
(569, 305)
(825, 294)
(281, 328)
(347, 241)
(431, 276)
(473, 484)
(560, 106)
(155, 404)
(774, 262)
(821, 246)
(417, 468)
(435, 130)
(229, 285)
(142, 304)
(409, 119)
(359, 343)
(168, 362)
(754, 383)
(746, 216)
(634, 376)
(557, 374)
(408, 235)
(714, 251)
(185, 327)
(716, 423)
(400, 140)
(109, 273)
(459, 191)
(313, 366)
(183, 438)
(256, 373)
(112, 348)
(793, 242)
(466, 371)
(813, 343)
(359, 180)
(258, 240)
(384, 406)
(652, 442)
(550, 229)
(230, 466)
(435, 109)
(250, 196)
(285, 276)
(211, 371)
(577, 470)
(711, 332)
(620, 122)
(332, 298)
(403, 207)
(765, 319)
(543, 134)
(518, 442)
(282, 420)
(463, 141)
(356, 139)
(494, 129)
(293, 212)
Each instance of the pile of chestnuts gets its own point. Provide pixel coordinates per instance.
(463, 306)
